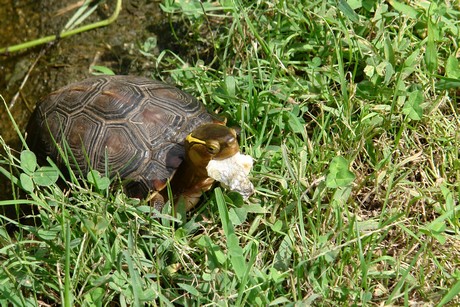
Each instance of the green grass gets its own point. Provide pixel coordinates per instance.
(350, 111)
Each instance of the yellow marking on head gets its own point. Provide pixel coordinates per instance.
(192, 139)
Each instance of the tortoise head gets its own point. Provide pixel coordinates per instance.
(210, 142)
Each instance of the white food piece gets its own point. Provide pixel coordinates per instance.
(233, 173)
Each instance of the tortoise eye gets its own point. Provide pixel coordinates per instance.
(213, 147)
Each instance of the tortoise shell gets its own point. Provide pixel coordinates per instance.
(128, 125)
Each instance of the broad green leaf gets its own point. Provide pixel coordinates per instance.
(234, 249)
(369, 70)
(449, 198)
(256, 208)
(206, 276)
(348, 11)
(102, 70)
(150, 44)
(94, 297)
(436, 229)
(338, 174)
(431, 53)
(236, 256)
(341, 196)
(95, 178)
(277, 276)
(235, 198)
(452, 67)
(26, 182)
(389, 52)
(277, 226)
(216, 256)
(437, 226)
(410, 64)
(87, 225)
(134, 278)
(354, 4)
(192, 290)
(440, 237)
(283, 255)
(296, 123)
(28, 161)
(223, 212)
(447, 83)
(404, 9)
(101, 225)
(389, 72)
(366, 89)
(46, 176)
(412, 106)
(238, 215)
(369, 4)
(230, 85)
(49, 234)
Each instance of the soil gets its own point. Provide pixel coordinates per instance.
(116, 46)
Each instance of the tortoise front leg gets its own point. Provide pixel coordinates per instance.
(156, 201)
(191, 196)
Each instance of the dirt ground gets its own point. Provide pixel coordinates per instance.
(30, 74)
(115, 46)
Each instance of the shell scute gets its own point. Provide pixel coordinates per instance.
(134, 126)
(118, 149)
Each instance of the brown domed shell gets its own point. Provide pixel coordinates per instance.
(128, 125)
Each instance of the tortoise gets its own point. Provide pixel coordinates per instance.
(144, 130)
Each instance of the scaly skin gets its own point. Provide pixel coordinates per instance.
(207, 142)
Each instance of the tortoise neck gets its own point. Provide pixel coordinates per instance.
(189, 182)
